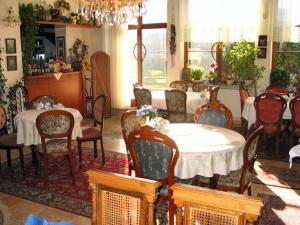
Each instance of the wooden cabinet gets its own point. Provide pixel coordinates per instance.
(69, 89)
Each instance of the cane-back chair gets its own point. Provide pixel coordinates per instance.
(179, 85)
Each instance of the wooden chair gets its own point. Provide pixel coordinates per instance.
(43, 99)
(179, 85)
(241, 179)
(213, 93)
(176, 105)
(196, 205)
(269, 110)
(121, 199)
(244, 94)
(142, 97)
(154, 157)
(55, 128)
(278, 89)
(214, 113)
(297, 92)
(8, 142)
(294, 127)
(94, 133)
(198, 87)
(129, 122)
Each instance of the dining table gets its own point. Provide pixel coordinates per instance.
(193, 101)
(205, 150)
(249, 112)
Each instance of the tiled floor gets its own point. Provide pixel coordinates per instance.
(16, 209)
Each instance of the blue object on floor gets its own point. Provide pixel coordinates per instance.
(34, 220)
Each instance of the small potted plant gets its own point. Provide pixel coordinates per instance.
(197, 73)
(279, 77)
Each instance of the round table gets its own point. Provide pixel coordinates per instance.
(205, 150)
(27, 132)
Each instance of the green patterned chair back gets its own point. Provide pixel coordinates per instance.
(142, 97)
(176, 101)
(179, 85)
(43, 99)
(250, 149)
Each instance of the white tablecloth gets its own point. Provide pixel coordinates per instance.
(249, 112)
(205, 150)
(27, 132)
(193, 100)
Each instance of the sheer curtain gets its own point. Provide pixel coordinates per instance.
(115, 44)
(219, 20)
(287, 16)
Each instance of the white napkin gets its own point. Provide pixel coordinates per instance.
(57, 75)
(294, 152)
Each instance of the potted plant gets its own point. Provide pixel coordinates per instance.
(197, 73)
(279, 77)
(240, 59)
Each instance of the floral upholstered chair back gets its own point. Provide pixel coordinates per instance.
(176, 101)
(198, 87)
(98, 109)
(179, 85)
(142, 97)
(3, 119)
(214, 113)
(42, 99)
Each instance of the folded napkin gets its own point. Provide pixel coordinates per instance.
(57, 75)
(34, 220)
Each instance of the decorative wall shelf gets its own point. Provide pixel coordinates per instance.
(67, 24)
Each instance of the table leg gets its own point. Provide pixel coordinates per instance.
(35, 159)
(213, 181)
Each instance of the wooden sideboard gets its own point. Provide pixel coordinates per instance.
(69, 89)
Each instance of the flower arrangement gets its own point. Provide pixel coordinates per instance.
(147, 111)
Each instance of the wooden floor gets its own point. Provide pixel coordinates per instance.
(16, 209)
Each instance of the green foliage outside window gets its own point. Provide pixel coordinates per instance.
(288, 57)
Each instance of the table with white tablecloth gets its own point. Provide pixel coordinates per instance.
(249, 112)
(205, 150)
(193, 101)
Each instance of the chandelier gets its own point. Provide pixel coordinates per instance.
(111, 11)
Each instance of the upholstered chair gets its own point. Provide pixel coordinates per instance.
(176, 105)
(278, 89)
(42, 99)
(142, 97)
(198, 87)
(269, 110)
(179, 85)
(214, 113)
(154, 157)
(213, 92)
(294, 127)
(129, 122)
(55, 128)
(122, 200)
(241, 179)
(8, 142)
(94, 133)
(137, 85)
(244, 94)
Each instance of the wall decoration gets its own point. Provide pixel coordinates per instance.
(172, 43)
(262, 40)
(60, 48)
(262, 53)
(10, 44)
(11, 62)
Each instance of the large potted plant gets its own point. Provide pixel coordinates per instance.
(240, 60)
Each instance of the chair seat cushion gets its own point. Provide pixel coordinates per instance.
(56, 146)
(9, 140)
(91, 133)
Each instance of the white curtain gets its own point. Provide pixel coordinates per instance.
(287, 17)
(219, 20)
(115, 43)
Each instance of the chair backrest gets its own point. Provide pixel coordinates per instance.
(99, 109)
(43, 99)
(278, 89)
(269, 109)
(213, 93)
(154, 155)
(175, 100)
(214, 113)
(180, 85)
(142, 97)
(198, 86)
(196, 205)
(137, 85)
(3, 120)
(295, 111)
(244, 94)
(121, 199)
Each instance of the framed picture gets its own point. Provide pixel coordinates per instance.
(262, 40)
(60, 48)
(262, 53)
(11, 62)
(10, 44)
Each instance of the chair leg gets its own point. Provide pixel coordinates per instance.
(249, 191)
(8, 157)
(171, 211)
(95, 149)
(45, 170)
(102, 150)
(22, 160)
(79, 153)
(70, 158)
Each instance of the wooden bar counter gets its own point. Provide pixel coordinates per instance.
(69, 89)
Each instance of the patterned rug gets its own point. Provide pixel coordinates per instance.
(279, 211)
(279, 177)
